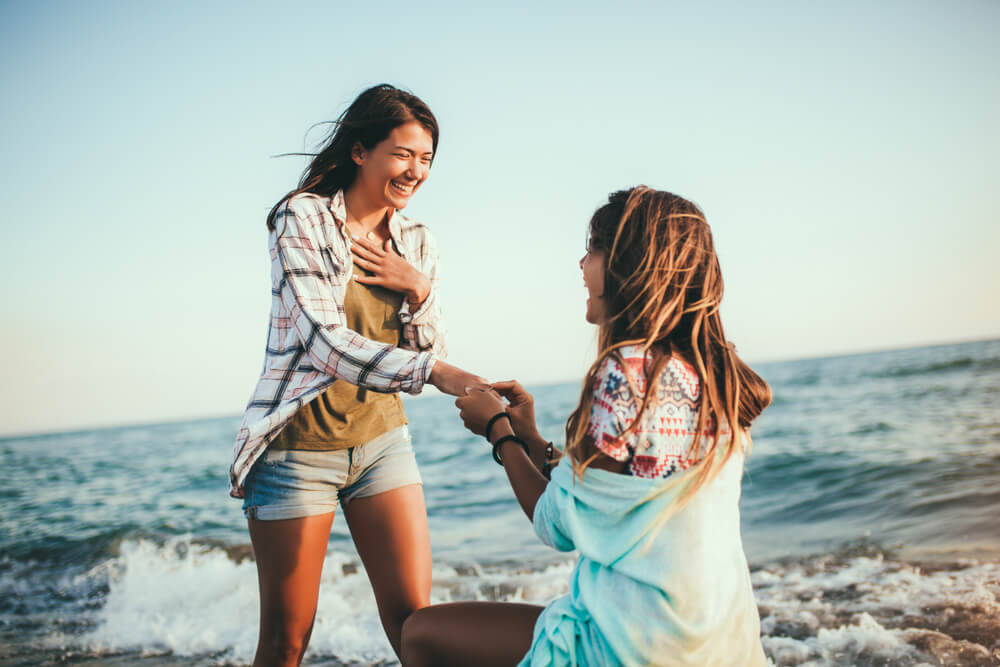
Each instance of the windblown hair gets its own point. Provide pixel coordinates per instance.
(662, 290)
(371, 117)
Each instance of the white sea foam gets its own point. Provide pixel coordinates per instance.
(862, 611)
(192, 599)
(189, 599)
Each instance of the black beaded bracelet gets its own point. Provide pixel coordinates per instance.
(547, 466)
(493, 420)
(508, 438)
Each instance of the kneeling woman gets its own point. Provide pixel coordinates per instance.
(649, 494)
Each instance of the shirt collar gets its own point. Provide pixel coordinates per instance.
(338, 208)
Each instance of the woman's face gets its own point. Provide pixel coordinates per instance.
(592, 264)
(391, 172)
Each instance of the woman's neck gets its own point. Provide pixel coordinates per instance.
(361, 213)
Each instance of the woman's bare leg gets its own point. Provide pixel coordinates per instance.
(391, 535)
(469, 633)
(289, 556)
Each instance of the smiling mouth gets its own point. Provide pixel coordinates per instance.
(401, 188)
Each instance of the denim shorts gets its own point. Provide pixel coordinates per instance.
(293, 483)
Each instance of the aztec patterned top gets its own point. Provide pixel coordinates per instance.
(660, 445)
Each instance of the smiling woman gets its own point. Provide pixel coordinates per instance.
(354, 320)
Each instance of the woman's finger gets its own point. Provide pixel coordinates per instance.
(506, 387)
(511, 390)
(374, 248)
(363, 252)
(363, 263)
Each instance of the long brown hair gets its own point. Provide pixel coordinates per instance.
(662, 290)
(371, 117)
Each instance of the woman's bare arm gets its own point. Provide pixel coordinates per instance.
(477, 408)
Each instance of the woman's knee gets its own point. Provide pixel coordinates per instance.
(285, 643)
(394, 618)
(415, 640)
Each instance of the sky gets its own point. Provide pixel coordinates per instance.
(846, 154)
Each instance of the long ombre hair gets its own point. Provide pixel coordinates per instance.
(371, 117)
(662, 291)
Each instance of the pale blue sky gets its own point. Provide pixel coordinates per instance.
(847, 157)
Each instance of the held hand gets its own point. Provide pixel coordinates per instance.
(521, 408)
(453, 380)
(477, 407)
(391, 271)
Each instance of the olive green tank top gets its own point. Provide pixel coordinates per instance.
(346, 415)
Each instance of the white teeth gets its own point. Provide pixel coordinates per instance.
(403, 188)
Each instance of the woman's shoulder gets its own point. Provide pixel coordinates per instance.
(307, 203)
(303, 214)
(627, 364)
(626, 359)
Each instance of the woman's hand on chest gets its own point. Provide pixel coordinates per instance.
(389, 270)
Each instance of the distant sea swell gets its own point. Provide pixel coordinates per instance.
(869, 516)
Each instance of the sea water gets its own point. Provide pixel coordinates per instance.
(871, 520)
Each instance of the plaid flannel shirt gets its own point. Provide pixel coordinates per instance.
(308, 346)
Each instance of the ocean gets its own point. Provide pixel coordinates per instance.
(871, 521)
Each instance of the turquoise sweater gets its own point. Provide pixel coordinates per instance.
(642, 593)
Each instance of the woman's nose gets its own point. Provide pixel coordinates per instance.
(581, 262)
(417, 170)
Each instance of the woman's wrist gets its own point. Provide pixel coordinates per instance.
(417, 294)
(499, 430)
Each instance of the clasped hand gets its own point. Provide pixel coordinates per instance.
(391, 270)
(480, 404)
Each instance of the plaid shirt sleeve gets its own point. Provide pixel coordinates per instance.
(422, 330)
(308, 273)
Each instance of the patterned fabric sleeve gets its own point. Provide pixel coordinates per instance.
(422, 330)
(300, 258)
(612, 411)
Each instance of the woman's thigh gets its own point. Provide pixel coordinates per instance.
(289, 554)
(469, 633)
(384, 505)
(391, 534)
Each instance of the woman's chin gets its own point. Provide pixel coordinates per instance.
(397, 200)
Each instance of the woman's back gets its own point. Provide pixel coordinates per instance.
(657, 576)
(644, 589)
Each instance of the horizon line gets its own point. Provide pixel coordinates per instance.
(98, 426)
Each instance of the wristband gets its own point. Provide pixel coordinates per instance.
(547, 466)
(493, 420)
(508, 438)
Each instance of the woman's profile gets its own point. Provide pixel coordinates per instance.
(648, 489)
(354, 320)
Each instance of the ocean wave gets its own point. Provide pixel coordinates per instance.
(961, 363)
(862, 605)
(187, 597)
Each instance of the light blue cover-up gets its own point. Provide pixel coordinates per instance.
(645, 592)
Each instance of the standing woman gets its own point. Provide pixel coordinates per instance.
(354, 320)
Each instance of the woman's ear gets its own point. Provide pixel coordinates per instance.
(358, 153)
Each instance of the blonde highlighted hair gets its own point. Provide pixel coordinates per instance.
(662, 291)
